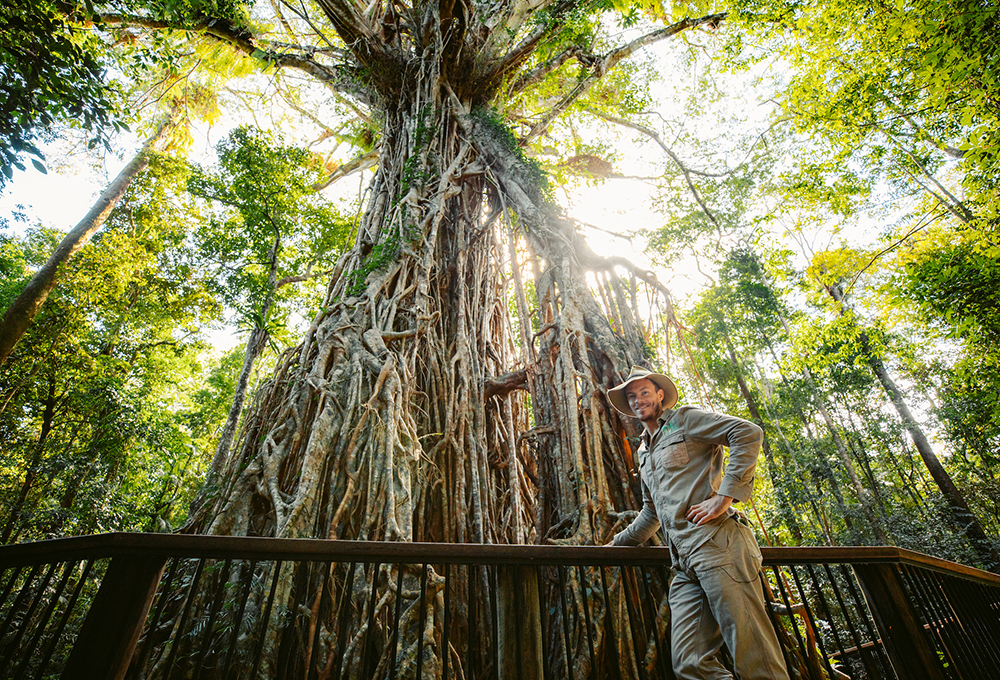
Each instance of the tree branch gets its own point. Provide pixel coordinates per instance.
(601, 66)
(240, 40)
(956, 206)
(538, 73)
(667, 150)
(502, 385)
(362, 162)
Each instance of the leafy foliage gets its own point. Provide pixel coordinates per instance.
(95, 398)
(50, 72)
(264, 207)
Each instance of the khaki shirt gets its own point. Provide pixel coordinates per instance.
(682, 465)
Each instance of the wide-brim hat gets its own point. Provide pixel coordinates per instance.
(620, 401)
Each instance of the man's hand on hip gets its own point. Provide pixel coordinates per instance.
(709, 510)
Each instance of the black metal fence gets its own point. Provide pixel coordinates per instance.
(166, 606)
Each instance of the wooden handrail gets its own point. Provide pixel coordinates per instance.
(244, 547)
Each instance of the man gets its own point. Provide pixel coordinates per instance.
(715, 594)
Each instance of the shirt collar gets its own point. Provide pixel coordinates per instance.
(664, 419)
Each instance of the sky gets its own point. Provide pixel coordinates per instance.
(617, 205)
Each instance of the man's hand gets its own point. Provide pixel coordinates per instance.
(709, 510)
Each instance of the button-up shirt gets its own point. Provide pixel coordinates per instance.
(681, 465)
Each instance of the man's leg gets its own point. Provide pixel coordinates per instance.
(695, 638)
(734, 596)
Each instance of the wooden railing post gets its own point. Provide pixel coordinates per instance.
(109, 634)
(908, 645)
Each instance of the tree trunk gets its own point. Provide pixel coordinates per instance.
(415, 409)
(961, 514)
(25, 306)
(864, 497)
(387, 423)
(787, 509)
(255, 345)
(31, 473)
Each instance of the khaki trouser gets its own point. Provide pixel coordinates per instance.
(716, 596)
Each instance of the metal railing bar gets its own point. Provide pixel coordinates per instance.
(212, 613)
(312, 670)
(470, 620)
(636, 639)
(26, 622)
(344, 619)
(21, 595)
(446, 634)
(491, 575)
(662, 660)
(849, 622)
(422, 622)
(394, 634)
(586, 620)
(179, 638)
(319, 550)
(861, 607)
(371, 619)
(515, 587)
(565, 622)
(812, 620)
(936, 617)
(47, 656)
(543, 616)
(775, 620)
(265, 620)
(44, 621)
(238, 621)
(610, 642)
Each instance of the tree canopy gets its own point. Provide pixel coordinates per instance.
(428, 354)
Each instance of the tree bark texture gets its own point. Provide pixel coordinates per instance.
(418, 406)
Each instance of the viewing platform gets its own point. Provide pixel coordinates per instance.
(185, 607)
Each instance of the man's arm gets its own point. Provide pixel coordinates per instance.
(643, 526)
(743, 439)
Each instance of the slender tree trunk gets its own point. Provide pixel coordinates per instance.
(824, 464)
(31, 473)
(255, 345)
(787, 509)
(962, 515)
(863, 495)
(25, 306)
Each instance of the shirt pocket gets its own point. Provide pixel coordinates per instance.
(675, 451)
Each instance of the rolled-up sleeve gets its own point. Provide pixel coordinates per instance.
(743, 439)
(643, 526)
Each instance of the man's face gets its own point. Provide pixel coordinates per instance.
(645, 399)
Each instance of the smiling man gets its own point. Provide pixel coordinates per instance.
(715, 594)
